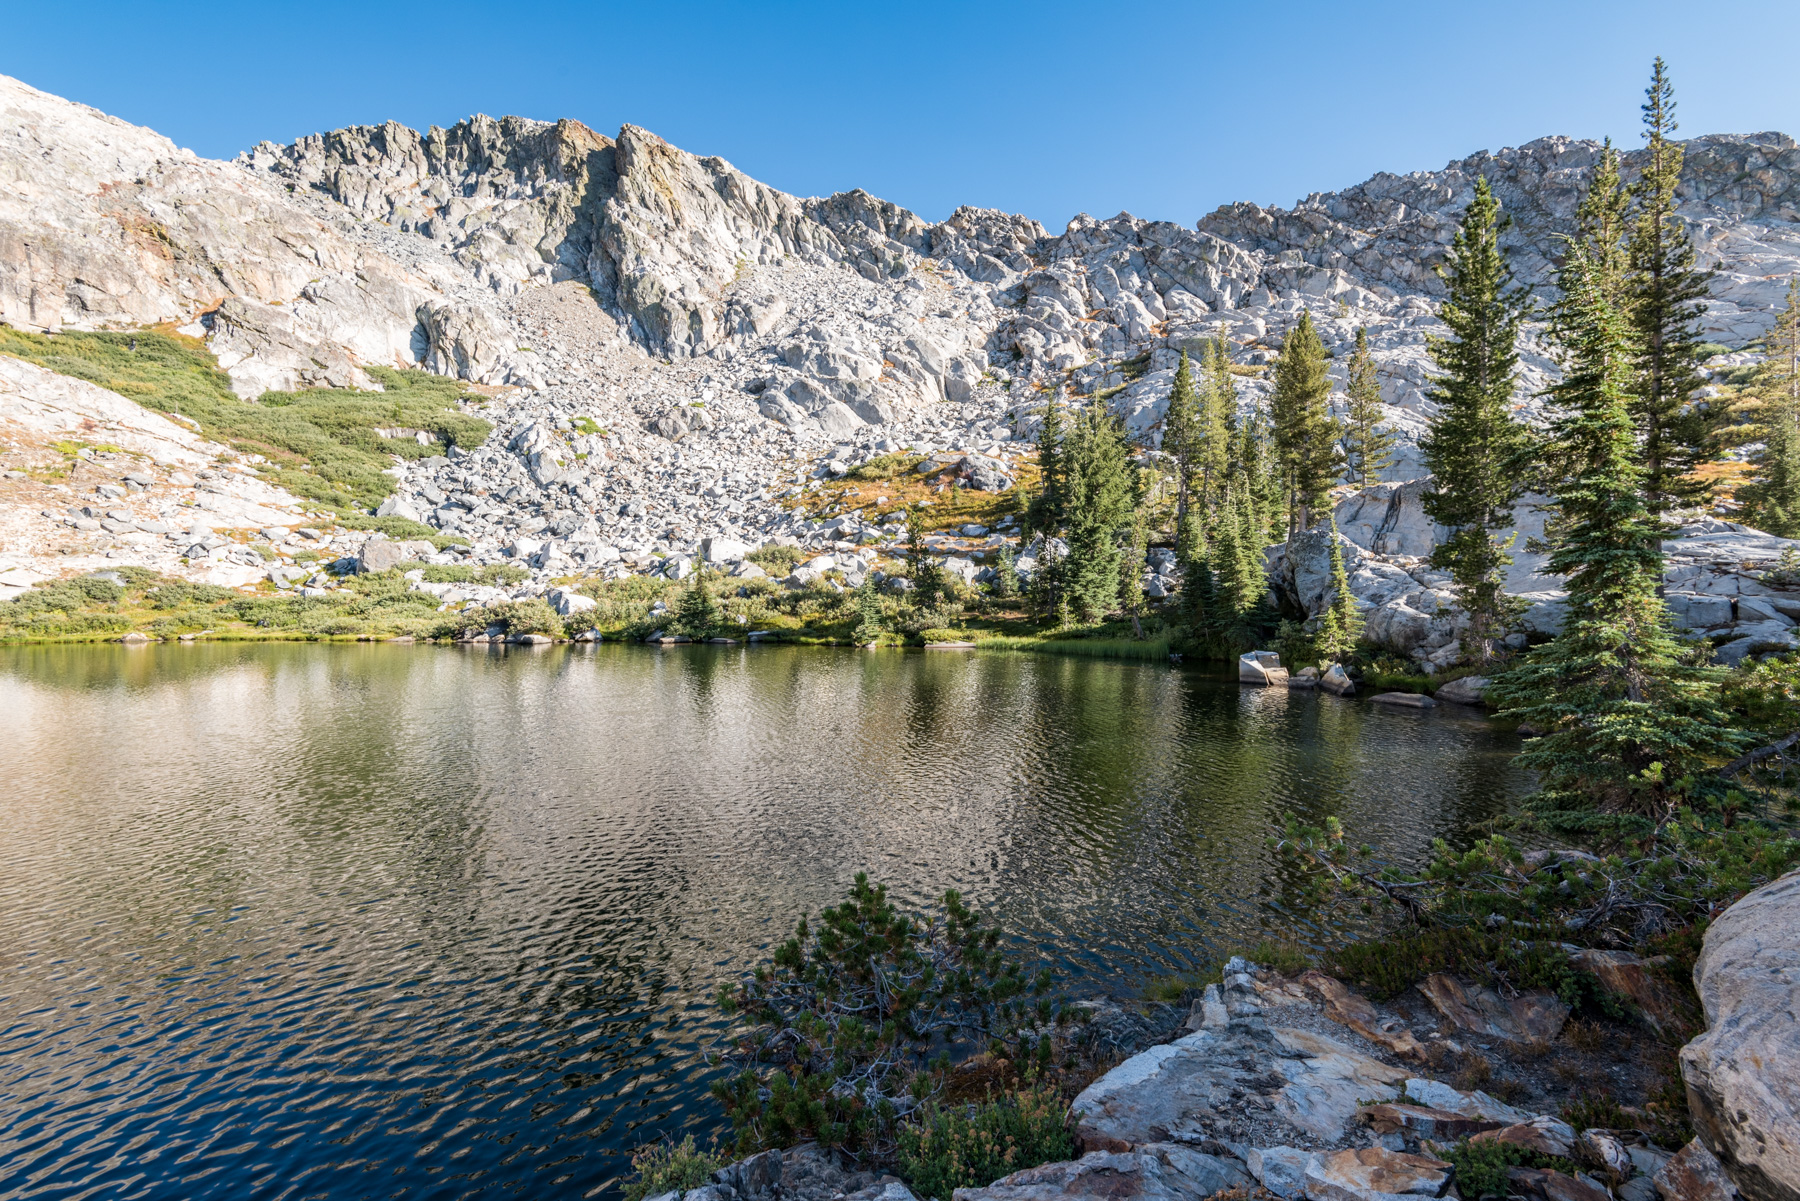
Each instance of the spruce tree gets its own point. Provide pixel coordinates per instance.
(1626, 718)
(1342, 625)
(1602, 221)
(1046, 514)
(1181, 439)
(1772, 499)
(868, 613)
(1305, 434)
(1473, 446)
(1368, 446)
(1216, 418)
(697, 613)
(927, 576)
(1100, 492)
(1676, 434)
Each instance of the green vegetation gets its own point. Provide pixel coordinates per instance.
(863, 1006)
(320, 443)
(662, 1168)
(972, 1146)
(1474, 446)
(1306, 436)
(1481, 1166)
(1771, 499)
(1368, 446)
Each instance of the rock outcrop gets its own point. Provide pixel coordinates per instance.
(1743, 1074)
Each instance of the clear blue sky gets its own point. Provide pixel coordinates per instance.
(1048, 109)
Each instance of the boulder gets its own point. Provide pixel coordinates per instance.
(1695, 1174)
(1421, 1121)
(1375, 1174)
(568, 602)
(1465, 691)
(1346, 1006)
(1636, 980)
(379, 554)
(1261, 667)
(1306, 677)
(1473, 1103)
(722, 550)
(1743, 1074)
(1281, 1170)
(1157, 1172)
(1533, 1016)
(1550, 1185)
(1337, 681)
(1543, 1134)
(1404, 700)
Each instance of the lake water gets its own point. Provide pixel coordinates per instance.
(378, 921)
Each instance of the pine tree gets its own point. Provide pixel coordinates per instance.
(1772, 500)
(1625, 716)
(1217, 416)
(927, 576)
(869, 625)
(1260, 465)
(1368, 446)
(1473, 446)
(696, 613)
(1097, 507)
(1602, 221)
(1181, 439)
(1305, 434)
(1342, 626)
(1046, 513)
(1665, 289)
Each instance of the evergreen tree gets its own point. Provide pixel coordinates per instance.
(1342, 625)
(927, 576)
(869, 625)
(1602, 221)
(696, 613)
(1100, 494)
(1131, 562)
(1626, 717)
(1473, 446)
(1772, 500)
(1217, 415)
(1305, 434)
(1676, 434)
(1181, 439)
(1260, 466)
(1047, 507)
(1368, 446)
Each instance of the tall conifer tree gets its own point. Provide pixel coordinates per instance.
(1305, 434)
(1218, 414)
(1099, 499)
(1368, 446)
(1676, 434)
(1473, 445)
(1046, 514)
(1772, 500)
(1342, 625)
(1182, 441)
(1625, 716)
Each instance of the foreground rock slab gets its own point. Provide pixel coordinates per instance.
(1743, 1074)
(1157, 1172)
(1530, 1017)
(1374, 1174)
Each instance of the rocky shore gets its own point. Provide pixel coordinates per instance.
(1302, 1088)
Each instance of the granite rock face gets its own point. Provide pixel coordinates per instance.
(1743, 1074)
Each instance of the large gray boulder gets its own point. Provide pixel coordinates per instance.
(1743, 1074)
(1156, 1172)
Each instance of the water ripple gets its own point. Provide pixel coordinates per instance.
(331, 921)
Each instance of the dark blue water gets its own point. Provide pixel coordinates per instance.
(378, 921)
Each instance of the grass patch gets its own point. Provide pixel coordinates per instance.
(1153, 649)
(947, 505)
(321, 443)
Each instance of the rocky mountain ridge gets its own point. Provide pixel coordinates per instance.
(673, 347)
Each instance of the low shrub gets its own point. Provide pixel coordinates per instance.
(971, 1146)
(856, 1018)
(1481, 1167)
(776, 560)
(666, 1167)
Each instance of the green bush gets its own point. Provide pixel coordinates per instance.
(943, 635)
(776, 560)
(1481, 1167)
(664, 1167)
(848, 1015)
(886, 467)
(974, 1145)
(533, 615)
